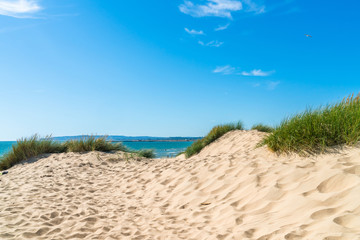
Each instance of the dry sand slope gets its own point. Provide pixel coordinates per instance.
(229, 191)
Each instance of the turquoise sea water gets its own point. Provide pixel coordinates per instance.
(5, 147)
(162, 149)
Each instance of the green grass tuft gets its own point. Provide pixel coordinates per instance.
(214, 134)
(314, 130)
(146, 153)
(262, 128)
(26, 148)
(91, 143)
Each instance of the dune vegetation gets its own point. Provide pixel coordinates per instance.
(26, 148)
(93, 144)
(146, 153)
(214, 134)
(312, 131)
(262, 128)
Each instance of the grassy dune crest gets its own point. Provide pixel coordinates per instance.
(30, 147)
(314, 130)
(214, 134)
(91, 143)
(26, 148)
(262, 128)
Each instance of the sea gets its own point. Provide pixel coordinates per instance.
(162, 149)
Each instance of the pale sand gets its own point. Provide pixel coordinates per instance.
(229, 191)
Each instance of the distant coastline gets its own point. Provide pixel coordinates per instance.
(169, 140)
(116, 138)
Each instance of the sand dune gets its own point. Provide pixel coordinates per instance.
(229, 191)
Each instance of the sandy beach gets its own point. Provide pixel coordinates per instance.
(231, 190)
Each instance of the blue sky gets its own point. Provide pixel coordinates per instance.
(170, 68)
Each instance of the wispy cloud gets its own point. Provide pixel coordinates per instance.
(233, 70)
(220, 8)
(272, 85)
(212, 8)
(211, 43)
(257, 73)
(269, 85)
(252, 6)
(194, 32)
(222, 27)
(227, 70)
(19, 8)
(215, 43)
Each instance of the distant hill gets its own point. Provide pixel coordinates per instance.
(116, 138)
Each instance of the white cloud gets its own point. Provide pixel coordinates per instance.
(212, 8)
(232, 70)
(222, 27)
(194, 32)
(19, 8)
(272, 85)
(225, 70)
(211, 43)
(251, 6)
(214, 43)
(257, 73)
(221, 8)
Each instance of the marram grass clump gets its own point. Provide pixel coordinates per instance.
(146, 153)
(214, 134)
(315, 130)
(26, 148)
(263, 128)
(91, 143)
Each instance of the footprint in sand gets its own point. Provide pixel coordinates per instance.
(295, 235)
(239, 220)
(337, 183)
(323, 213)
(333, 238)
(348, 221)
(353, 170)
(249, 233)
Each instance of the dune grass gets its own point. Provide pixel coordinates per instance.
(146, 153)
(314, 130)
(214, 134)
(91, 143)
(262, 128)
(26, 148)
(311, 131)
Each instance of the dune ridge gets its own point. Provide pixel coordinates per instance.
(231, 190)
